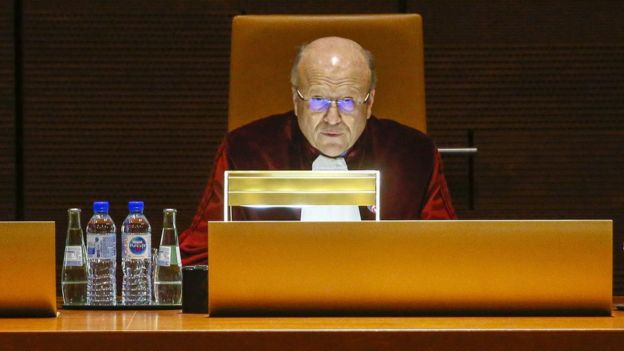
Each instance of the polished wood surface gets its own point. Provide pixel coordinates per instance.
(160, 330)
(449, 267)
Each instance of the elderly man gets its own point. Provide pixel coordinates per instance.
(331, 127)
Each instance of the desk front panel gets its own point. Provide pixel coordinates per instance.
(172, 330)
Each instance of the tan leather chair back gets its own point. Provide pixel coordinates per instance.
(264, 46)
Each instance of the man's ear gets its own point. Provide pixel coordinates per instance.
(371, 99)
(294, 100)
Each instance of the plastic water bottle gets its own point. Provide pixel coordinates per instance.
(102, 256)
(168, 274)
(75, 271)
(136, 260)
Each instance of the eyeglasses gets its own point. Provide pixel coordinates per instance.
(322, 104)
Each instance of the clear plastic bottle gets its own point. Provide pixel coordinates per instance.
(136, 259)
(168, 274)
(102, 256)
(75, 271)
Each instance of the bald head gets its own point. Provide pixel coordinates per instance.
(336, 52)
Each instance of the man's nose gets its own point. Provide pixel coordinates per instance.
(332, 116)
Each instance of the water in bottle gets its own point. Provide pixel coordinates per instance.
(102, 256)
(75, 271)
(136, 259)
(168, 274)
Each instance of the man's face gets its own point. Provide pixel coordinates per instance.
(333, 76)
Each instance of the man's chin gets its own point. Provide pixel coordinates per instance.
(332, 147)
(332, 151)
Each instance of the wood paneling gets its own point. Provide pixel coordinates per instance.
(539, 85)
(7, 112)
(315, 7)
(570, 91)
(564, 171)
(527, 87)
(530, 22)
(121, 103)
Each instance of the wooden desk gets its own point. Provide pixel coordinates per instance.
(172, 330)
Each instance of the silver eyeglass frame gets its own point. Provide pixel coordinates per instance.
(334, 101)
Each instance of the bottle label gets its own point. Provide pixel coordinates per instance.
(137, 246)
(73, 256)
(164, 256)
(101, 246)
(168, 256)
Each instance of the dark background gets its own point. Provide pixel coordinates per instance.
(119, 101)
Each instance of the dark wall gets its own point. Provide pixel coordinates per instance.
(121, 102)
(7, 112)
(125, 101)
(538, 87)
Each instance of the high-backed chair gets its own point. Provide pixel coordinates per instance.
(264, 46)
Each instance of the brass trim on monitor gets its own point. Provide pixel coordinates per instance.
(300, 188)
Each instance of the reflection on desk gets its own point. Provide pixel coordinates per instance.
(160, 330)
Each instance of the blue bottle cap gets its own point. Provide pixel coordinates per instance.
(100, 206)
(135, 206)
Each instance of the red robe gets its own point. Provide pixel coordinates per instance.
(412, 183)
